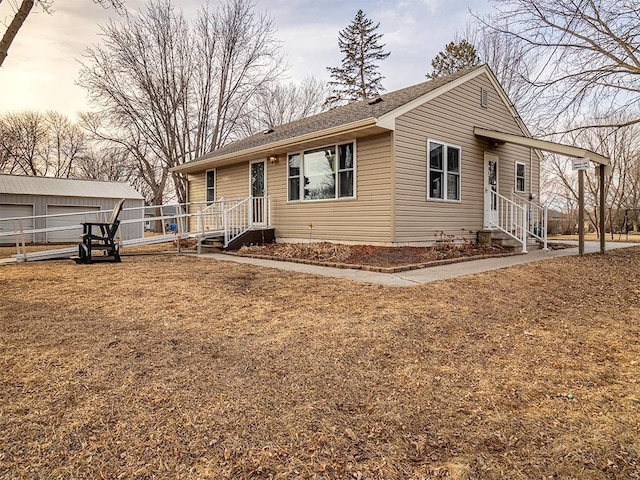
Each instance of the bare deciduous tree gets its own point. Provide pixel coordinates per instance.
(107, 162)
(620, 145)
(24, 141)
(151, 174)
(66, 142)
(283, 103)
(23, 12)
(589, 51)
(40, 144)
(508, 59)
(174, 91)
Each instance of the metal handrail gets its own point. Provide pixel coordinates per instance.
(233, 218)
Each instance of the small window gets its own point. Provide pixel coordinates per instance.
(443, 171)
(345, 170)
(521, 176)
(294, 176)
(211, 186)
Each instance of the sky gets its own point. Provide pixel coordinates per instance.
(41, 70)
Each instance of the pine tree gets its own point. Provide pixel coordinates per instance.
(358, 77)
(456, 57)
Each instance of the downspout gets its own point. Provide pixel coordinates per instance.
(531, 173)
(392, 165)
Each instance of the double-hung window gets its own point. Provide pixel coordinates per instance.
(521, 176)
(443, 171)
(322, 173)
(211, 186)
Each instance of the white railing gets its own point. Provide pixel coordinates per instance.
(230, 218)
(210, 218)
(245, 215)
(537, 219)
(510, 218)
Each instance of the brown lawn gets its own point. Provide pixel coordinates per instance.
(592, 237)
(181, 367)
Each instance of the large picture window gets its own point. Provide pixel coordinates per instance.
(211, 186)
(443, 171)
(521, 177)
(322, 174)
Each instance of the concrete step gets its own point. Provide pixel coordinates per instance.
(503, 240)
(210, 249)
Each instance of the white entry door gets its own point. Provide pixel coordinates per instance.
(258, 191)
(490, 186)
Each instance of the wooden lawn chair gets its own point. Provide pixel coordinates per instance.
(100, 236)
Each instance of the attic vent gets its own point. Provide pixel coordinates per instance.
(268, 131)
(373, 101)
(484, 97)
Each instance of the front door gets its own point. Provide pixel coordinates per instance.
(258, 191)
(490, 187)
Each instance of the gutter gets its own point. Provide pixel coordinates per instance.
(269, 148)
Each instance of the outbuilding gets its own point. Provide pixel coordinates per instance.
(59, 205)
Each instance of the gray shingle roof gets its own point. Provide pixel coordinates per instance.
(336, 117)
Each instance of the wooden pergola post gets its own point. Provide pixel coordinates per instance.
(580, 212)
(601, 173)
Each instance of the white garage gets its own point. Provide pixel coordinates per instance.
(63, 204)
(8, 210)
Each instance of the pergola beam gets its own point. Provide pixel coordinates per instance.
(545, 145)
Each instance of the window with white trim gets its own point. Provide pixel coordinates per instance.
(521, 177)
(322, 173)
(211, 186)
(443, 171)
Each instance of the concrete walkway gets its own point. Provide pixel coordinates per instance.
(422, 275)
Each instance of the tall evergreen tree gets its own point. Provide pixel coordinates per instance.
(358, 77)
(456, 57)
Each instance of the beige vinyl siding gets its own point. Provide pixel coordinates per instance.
(197, 197)
(450, 119)
(365, 219)
(233, 181)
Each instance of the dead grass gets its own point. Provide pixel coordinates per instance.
(592, 237)
(188, 368)
(7, 251)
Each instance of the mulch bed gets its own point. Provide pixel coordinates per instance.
(373, 258)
